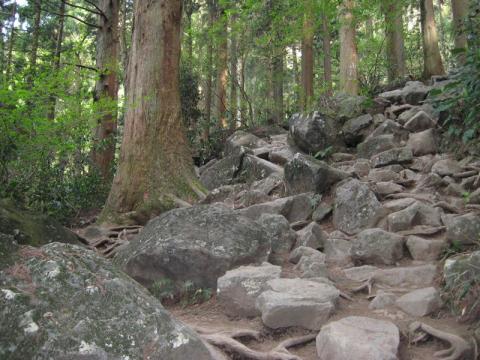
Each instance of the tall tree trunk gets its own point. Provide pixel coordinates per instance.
(393, 11)
(234, 76)
(2, 42)
(35, 39)
(459, 13)
(106, 88)
(189, 7)
(327, 55)
(277, 85)
(222, 75)
(56, 56)
(209, 72)
(155, 160)
(432, 60)
(307, 56)
(11, 41)
(296, 79)
(348, 50)
(124, 39)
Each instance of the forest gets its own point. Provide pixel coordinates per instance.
(240, 179)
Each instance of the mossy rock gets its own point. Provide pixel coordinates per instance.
(63, 301)
(29, 228)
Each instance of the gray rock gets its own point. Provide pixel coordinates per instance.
(313, 132)
(306, 174)
(376, 246)
(197, 244)
(255, 168)
(241, 139)
(312, 266)
(382, 300)
(392, 156)
(419, 122)
(361, 167)
(423, 143)
(462, 270)
(222, 172)
(225, 193)
(412, 276)
(74, 304)
(294, 208)
(356, 207)
(360, 273)
(355, 130)
(301, 251)
(281, 155)
(375, 145)
(425, 249)
(464, 229)
(321, 212)
(383, 175)
(283, 237)
(390, 127)
(446, 167)
(398, 204)
(239, 288)
(297, 302)
(312, 236)
(337, 251)
(415, 214)
(420, 302)
(362, 337)
(387, 188)
(414, 92)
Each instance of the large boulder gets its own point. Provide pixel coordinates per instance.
(414, 92)
(376, 246)
(282, 236)
(197, 244)
(419, 122)
(423, 143)
(356, 207)
(425, 249)
(420, 302)
(241, 139)
(297, 302)
(66, 302)
(355, 130)
(359, 338)
(307, 174)
(313, 132)
(376, 144)
(312, 236)
(222, 172)
(393, 156)
(462, 270)
(464, 229)
(239, 288)
(254, 169)
(29, 228)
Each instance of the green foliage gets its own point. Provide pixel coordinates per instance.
(187, 293)
(457, 102)
(324, 153)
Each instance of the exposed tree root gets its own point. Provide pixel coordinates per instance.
(459, 348)
(227, 340)
(366, 285)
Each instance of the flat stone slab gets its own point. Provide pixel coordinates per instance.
(358, 337)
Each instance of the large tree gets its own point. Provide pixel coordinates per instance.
(155, 162)
(392, 10)
(348, 50)
(307, 55)
(459, 14)
(106, 88)
(432, 60)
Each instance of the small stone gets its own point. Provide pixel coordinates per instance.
(382, 300)
(420, 302)
(424, 249)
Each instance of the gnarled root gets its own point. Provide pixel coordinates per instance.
(366, 285)
(228, 341)
(459, 348)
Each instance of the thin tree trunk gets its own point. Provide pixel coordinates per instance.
(348, 50)
(189, 41)
(277, 85)
(106, 88)
(393, 11)
(296, 79)
(459, 13)
(2, 42)
(35, 39)
(234, 77)
(11, 41)
(222, 77)
(123, 40)
(327, 56)
(431, 53)
(155, 160)
(307, 57)
(209, 73)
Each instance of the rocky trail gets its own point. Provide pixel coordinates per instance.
(334, 259)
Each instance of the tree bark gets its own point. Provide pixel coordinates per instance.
(155, 158)
(11, 41)
(234, 76)
(189, 7)
(106, 88)
(209, 72)
(307, 56)
(459, 14)
(393, 10)
(327, 55)
(432, 60)
(222, 75)
(277, 85)
(2, 42)
(348, 50)
(35, 39)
